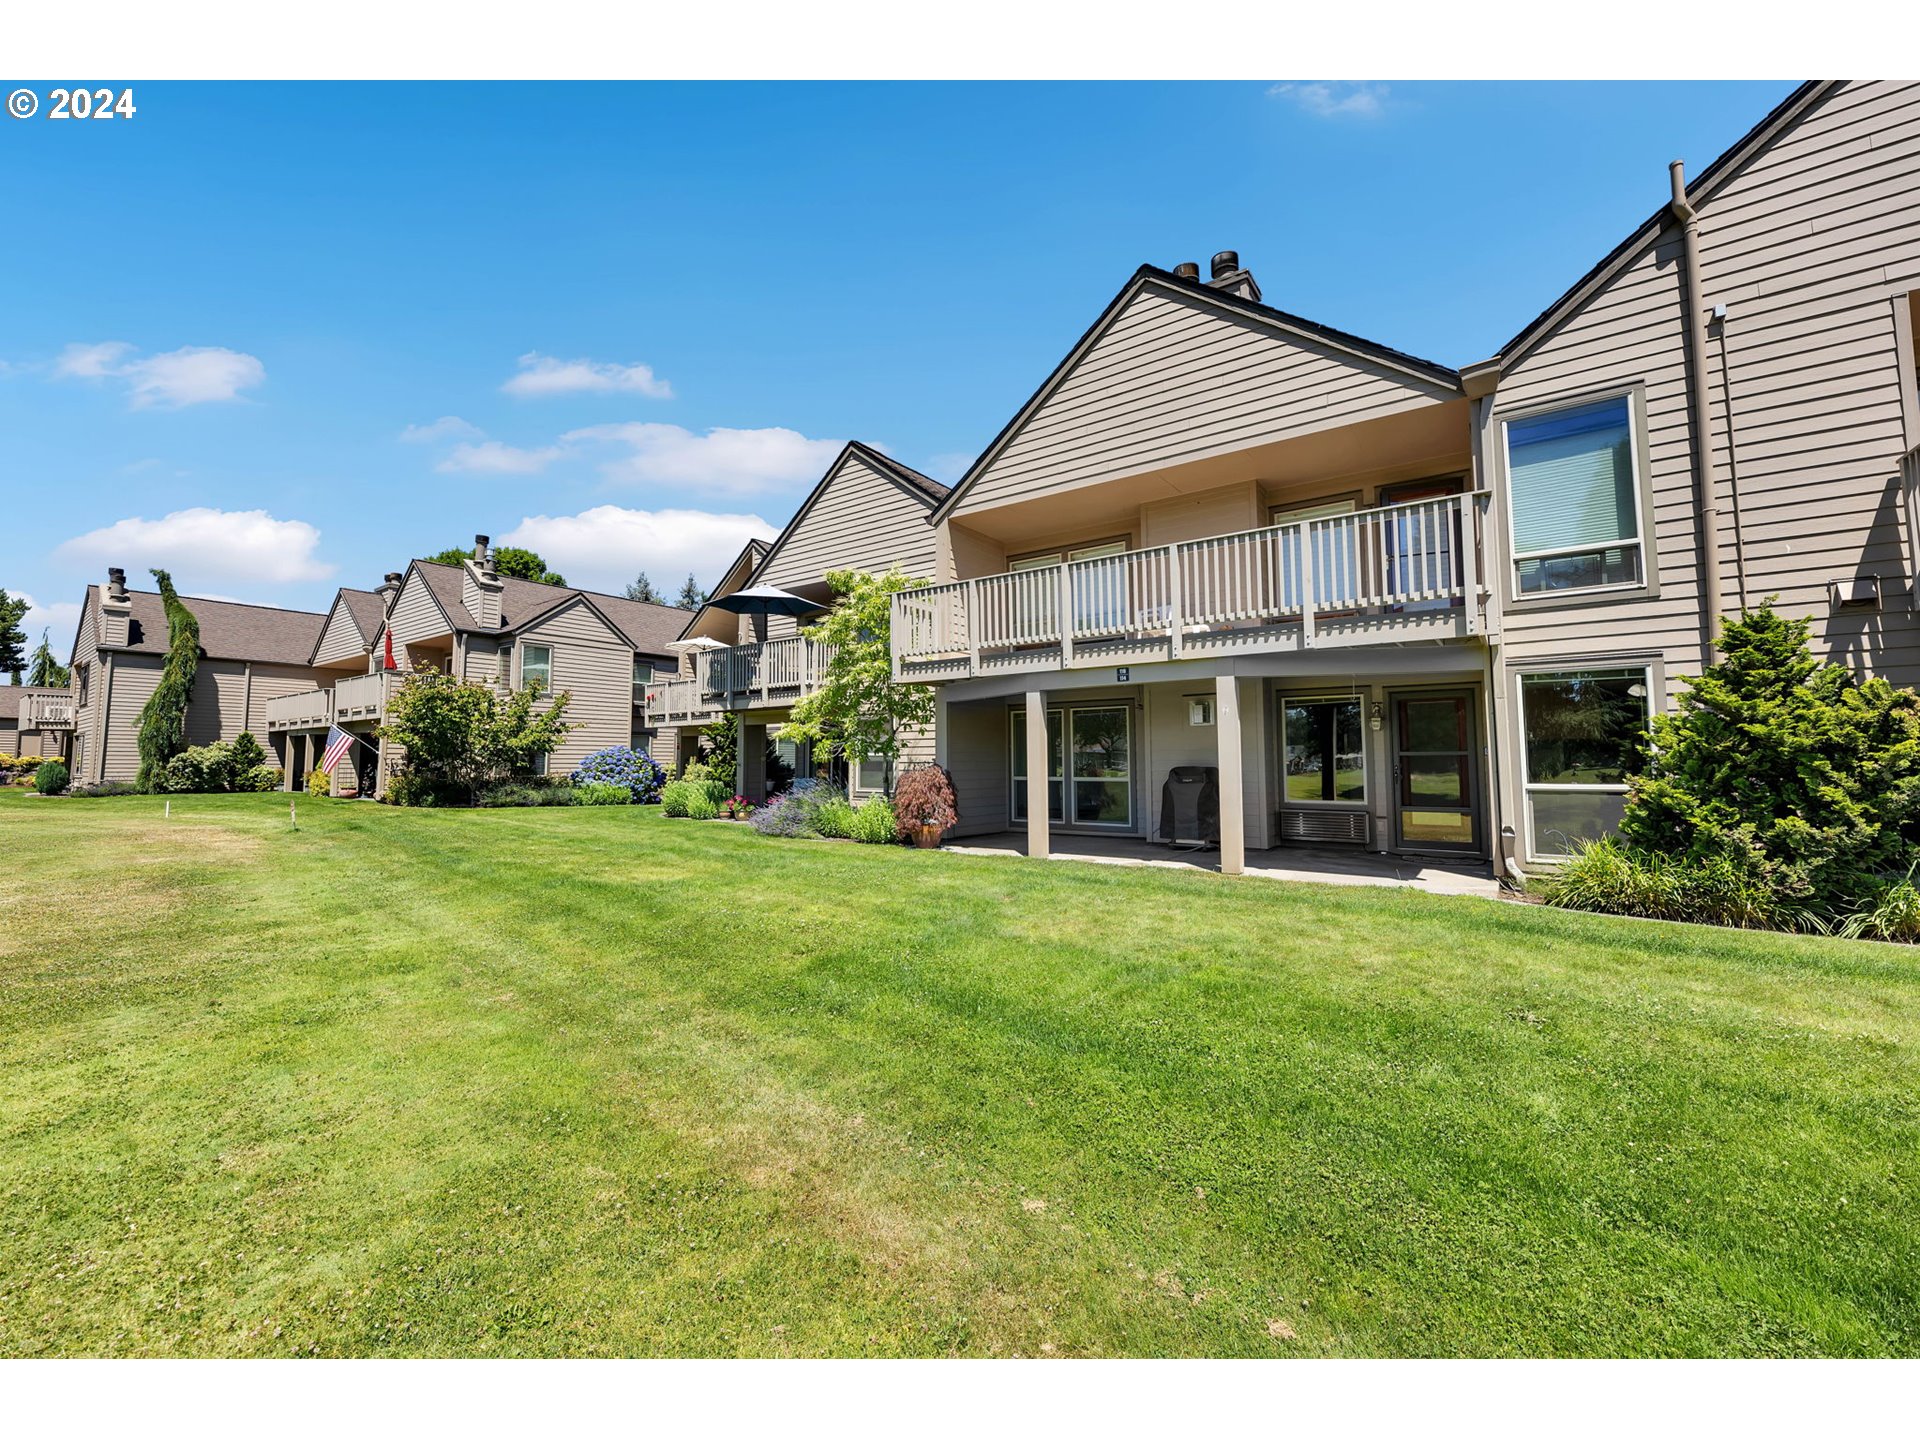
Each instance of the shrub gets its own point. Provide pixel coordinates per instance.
(924, 796)
(1786, 769)
(519, 793)
(246, 754)
(784, 816)
(596, 794)
(408, 787)
(260, 778)
(461, 737)
(873, 822)
(702, 806)
(51, 778)
(319, 782)
(105, 788)
(199, 770)
(674, 797)
(832, 817)
(624, 766)
(1615, 879)
(1891, 913)
(163, 719)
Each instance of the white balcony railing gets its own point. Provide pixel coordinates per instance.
(1364, 577)
(769, 672)
(48, 712)
(302, 710)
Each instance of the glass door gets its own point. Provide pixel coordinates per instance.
(1420, 547)
(1436, 794)
(1102, 777)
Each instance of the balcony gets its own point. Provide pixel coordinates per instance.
(48, 712)
(365, 697)
(303, 710)
(740, 677)
(1389, 575)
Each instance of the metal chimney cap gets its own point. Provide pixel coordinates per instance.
(392, 577)
(481, 541)
(116, 574)
(1225, 263)
(1188, 270)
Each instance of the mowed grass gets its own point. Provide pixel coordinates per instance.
(596, 1082)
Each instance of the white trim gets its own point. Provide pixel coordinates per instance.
(1528, 786)
(1636, 438)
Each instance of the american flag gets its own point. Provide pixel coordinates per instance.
(339, 742)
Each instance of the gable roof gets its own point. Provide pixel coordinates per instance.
(1698, 191)
(229, 629)
(366, 611)
(1426, 372)
(922, 488)
(523, 602)
(743, 565)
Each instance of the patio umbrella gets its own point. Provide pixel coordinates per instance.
(764, 600)
(698, 642)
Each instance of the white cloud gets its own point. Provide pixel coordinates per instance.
(722, 459)
(57, 619)
(605, 547)
(1332, 99)
(204, 544)
(191, 375)
(490, 457)
(546, 375)
(447, 427)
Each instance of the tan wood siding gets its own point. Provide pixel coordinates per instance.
(270, 681)
(416, 616)
(1804, 246)
(219, 706)
(341, 639)
(1174, 379)
(595, 665)
(481, 661)
(977, 759)
(135, 677)
(861, 520)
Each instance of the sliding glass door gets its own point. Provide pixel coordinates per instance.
(1098, 791)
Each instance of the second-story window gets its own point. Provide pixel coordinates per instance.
(1575, 497)
(536, 666)
(642, 678)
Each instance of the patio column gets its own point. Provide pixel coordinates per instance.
(1226, 731)
(1037, 762)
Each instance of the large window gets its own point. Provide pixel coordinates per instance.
(642, 678)
(1089, 765)
(1582, 731)
(536, 666)
(1325, 756)
(1575, 498)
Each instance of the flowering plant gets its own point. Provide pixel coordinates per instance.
(738, 808)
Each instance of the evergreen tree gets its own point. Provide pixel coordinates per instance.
(1794, 770)
(13, 639)
(163, 720)
(692, 597)
(641, 588)
(44, 669)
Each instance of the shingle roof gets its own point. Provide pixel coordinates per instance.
(647, 627)
(906, 474)
(229, 630)
(366, 608)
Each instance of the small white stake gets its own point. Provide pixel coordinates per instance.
(169, 814)
(293, 817)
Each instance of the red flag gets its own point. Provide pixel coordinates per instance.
(390, 664)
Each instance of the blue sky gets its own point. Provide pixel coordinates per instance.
(284, 337)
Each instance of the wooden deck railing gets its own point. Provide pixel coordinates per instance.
(1342, 579)
(364, 697)
(48, 712)
(739, 677)
(302, 710)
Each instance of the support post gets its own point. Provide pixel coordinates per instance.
(1037, 761)
(1233, 818)
(1065, 604)
(740, 754)
(942, 738)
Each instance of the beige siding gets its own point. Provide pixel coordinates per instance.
(219, 705)
(595, 665)
(272, 680)
(135, 678)
(341, 639)
(664, 747)
(480, 661)
(1805, 246)
(860, 520)
(1174, 379)
(977, 758)
(416, 616)
(1193, 517)
(88, 718)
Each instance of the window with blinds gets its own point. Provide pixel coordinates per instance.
(1574, 498)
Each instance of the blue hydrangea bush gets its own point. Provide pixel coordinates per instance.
(622, 765)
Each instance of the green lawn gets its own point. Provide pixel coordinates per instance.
(592, 1081)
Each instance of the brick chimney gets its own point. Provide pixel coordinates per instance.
(116, 608)
(480, 586)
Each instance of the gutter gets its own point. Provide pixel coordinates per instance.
(1700, 422)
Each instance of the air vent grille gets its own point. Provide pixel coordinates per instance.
(1333, 827)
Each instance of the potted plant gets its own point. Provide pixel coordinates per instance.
(923, 806)
(738, 808)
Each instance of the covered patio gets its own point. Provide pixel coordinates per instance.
(1327, 865)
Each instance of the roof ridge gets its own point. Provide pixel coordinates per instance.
(217, 600)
